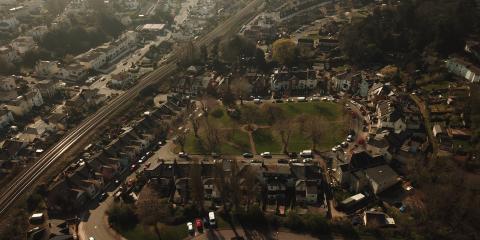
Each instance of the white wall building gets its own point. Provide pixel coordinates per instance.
(463, 68)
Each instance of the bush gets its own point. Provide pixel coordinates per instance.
(122, 216)
(254, 217)
(295, 222)
(316, 224)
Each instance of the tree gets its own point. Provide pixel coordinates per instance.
(151, 208)
(55, 7)
(195, 125)
(284, 51)
(235, 47)
(180, 140)
(285, 128)
(196, 186)
(6, 68)
(122, 216)
(212, 137)
(273, 112)
(316, 128)
(241, 88)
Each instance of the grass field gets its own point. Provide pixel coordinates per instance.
(266, 138)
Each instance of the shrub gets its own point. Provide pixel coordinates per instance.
(122, 216)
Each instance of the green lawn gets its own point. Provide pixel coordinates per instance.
(235, 142)
(167, 232)
(265, 141)
(331, 111)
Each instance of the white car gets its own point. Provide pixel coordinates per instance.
(266, 154)
(211, 219)
(183, 154)
(190, 227)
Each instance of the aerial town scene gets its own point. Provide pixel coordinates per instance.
(240, 119)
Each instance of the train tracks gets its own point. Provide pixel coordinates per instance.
(28, 178)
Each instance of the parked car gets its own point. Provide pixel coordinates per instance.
(344, 144)
(190, 228)
(306, 153)
(283, 161)
(247, 155)
(102, 196)
(199, 224)
(211, 219)
(183, 154)
(133, 167)
(215, 155)
(292, 154)
(266, 154)
(307, 160)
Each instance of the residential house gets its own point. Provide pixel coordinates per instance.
(306, 191)
(23, 44)
(307, 46)
(289, 80)
(345, 80)
(390, 116)
(8, 54)
(38, 32)
(464, 69)
(276, 178)
(473, 47)
(74, 72)
(12, 147)
(381, 178)
(24, 104)
(92, 59)
(47, 68)
(48, 88)
(123, 79)
(374, 219)
(7, 83)
(378, 92)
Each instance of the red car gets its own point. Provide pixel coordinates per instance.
(199, 224)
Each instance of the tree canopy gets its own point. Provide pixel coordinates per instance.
(284, 51)
(406, 31)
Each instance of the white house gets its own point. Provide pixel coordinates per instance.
(463, 68)
(92, 59)
(293, 80)
(390, 116)
(73, 72)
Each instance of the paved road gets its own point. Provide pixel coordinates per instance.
(229, 234)
(27, 179)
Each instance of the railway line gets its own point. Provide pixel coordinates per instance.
(28, 178)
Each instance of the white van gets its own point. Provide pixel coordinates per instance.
(211, 219)
(306, 153)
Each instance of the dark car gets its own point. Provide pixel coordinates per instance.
(102, 196)
(292, 154)
(247, 155)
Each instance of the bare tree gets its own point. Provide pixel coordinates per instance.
(212, 137)
(273, 112)
(152, 209)
(285, 129)
(315, 126)
(241, 88)
(195, 125)
(196, 186)
(180, 140)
